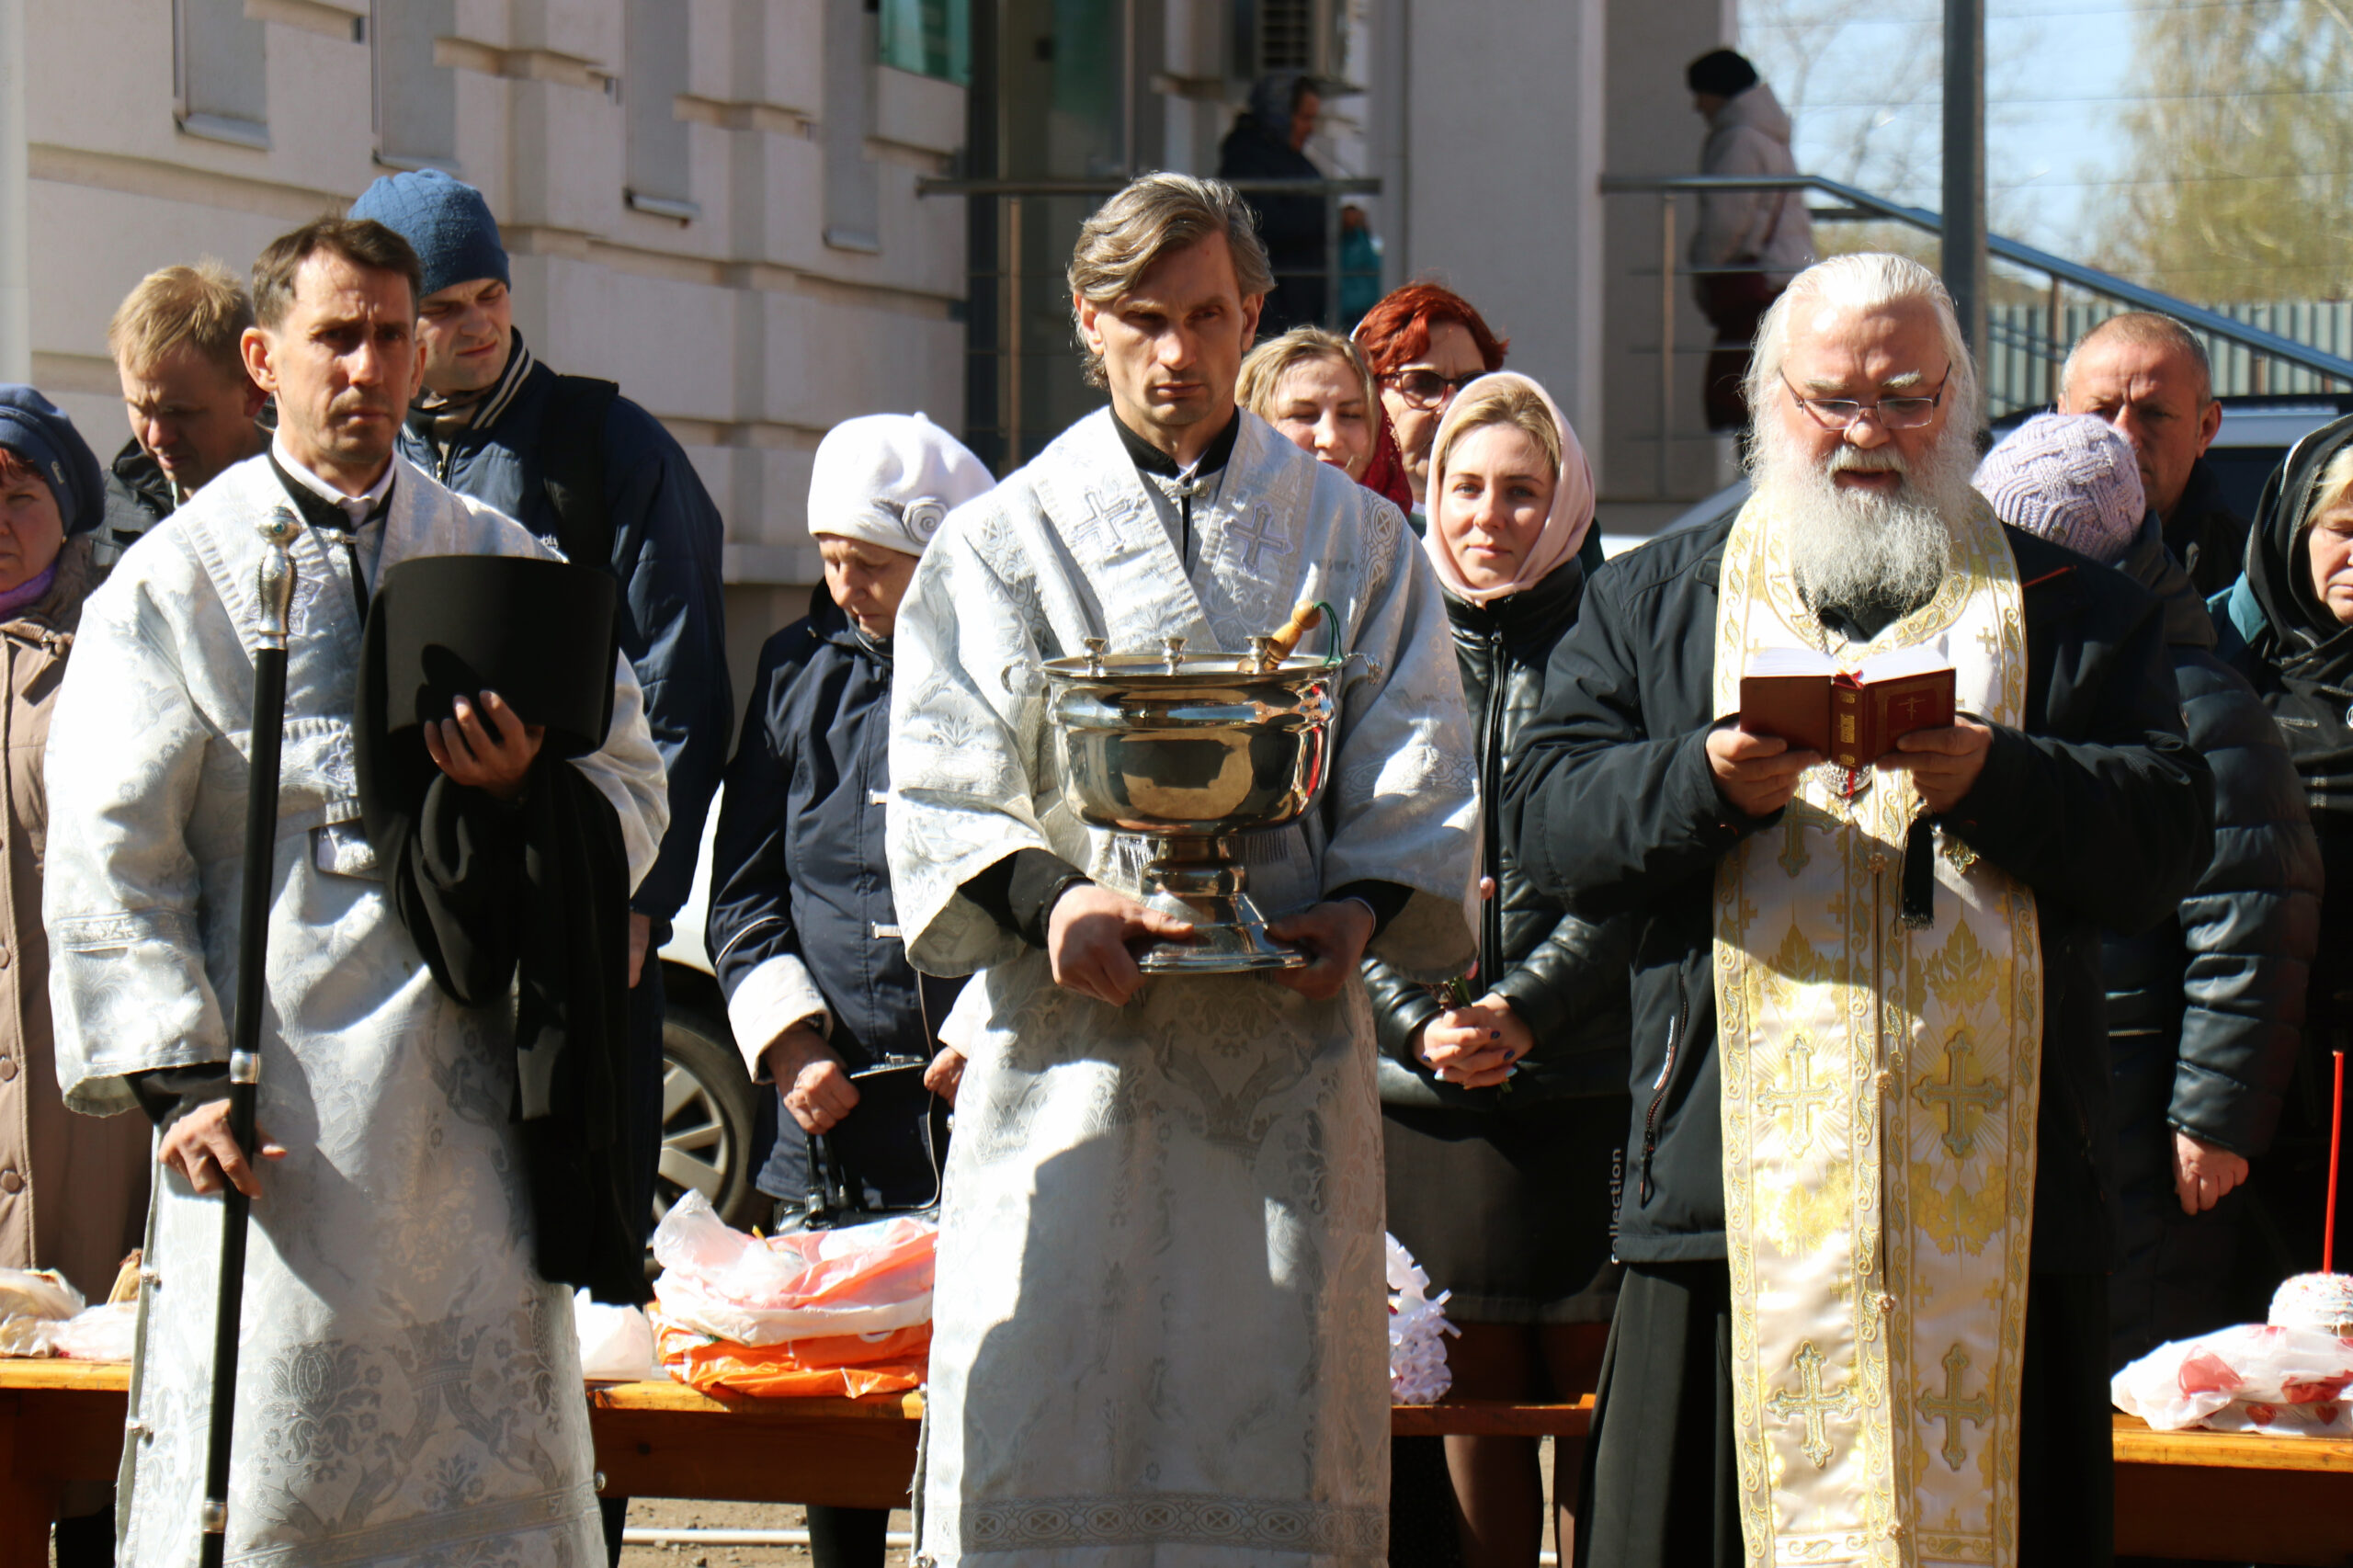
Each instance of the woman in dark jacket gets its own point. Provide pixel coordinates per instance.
(1506, 1115)
(2288, 626)
(801, 928)
(2204, 1011)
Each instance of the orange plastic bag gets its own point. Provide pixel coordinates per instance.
(839, 1364)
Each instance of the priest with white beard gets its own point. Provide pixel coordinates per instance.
(1160, 1332)
(1865, 1222)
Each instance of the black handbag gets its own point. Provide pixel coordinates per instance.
(886, 1157)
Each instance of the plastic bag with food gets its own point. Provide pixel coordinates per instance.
(2251, 1377)
(763, 1290)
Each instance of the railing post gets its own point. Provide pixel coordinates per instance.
(1665, 334)
(2057, 353)
(1331, 258)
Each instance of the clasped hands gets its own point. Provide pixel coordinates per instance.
(1759, 773)
(1089, 936)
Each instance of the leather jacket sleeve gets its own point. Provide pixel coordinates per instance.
(1570, 979)
(1400, 1007)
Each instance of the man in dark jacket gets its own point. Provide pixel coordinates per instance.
(598, 477)
(805, 935)
(2148, 375)
(2072, 805)
(178, 341)
(1269, 141)
(2204, 1010)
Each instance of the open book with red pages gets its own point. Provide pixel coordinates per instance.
(1853, 717)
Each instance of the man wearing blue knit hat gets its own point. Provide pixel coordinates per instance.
(596, 476)
(588, 472)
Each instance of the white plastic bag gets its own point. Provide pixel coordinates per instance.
(2251, 1377)
(102, 1333)
(859, 1279)
(616, 1342)
(1417, 1331)
(38, 1294)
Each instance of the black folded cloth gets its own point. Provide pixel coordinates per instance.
(522, 905)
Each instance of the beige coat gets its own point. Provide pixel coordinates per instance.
(72, 1187)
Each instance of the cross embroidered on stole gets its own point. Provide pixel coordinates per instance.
(1879, 1085)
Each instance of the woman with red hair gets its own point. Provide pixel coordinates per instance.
(1425, 344)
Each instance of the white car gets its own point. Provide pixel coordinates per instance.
(715, 1121)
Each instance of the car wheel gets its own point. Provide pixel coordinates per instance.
(709, 1108)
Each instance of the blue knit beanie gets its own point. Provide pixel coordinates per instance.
(38, 431)
(444, 220)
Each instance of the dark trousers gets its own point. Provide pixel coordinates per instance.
(1662, 1489)
(87, 1540)
(643, 1133)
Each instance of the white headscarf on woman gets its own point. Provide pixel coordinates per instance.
(1565, 526)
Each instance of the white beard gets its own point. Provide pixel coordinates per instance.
(1855, 551)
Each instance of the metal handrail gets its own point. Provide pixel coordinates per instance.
(1351, 185)
(2090, 279)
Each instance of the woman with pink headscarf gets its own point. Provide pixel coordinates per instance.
(1506, 1103)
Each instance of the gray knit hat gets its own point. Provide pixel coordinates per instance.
(2068, 478)
(444, 220)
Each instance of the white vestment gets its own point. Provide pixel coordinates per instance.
(409, 1387)
(1880, 1089)
(1160, 1332)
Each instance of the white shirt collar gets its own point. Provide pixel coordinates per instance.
(356, 507)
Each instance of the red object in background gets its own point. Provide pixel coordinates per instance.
(2336, 1151)
(1385, 474)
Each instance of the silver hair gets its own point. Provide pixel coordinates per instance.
(2151, 329)
(1153, 215)
(1869, 281)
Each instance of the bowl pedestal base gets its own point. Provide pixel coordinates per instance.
(1197, 880)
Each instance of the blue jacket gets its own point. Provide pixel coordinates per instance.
(802, 919)
(666, 539)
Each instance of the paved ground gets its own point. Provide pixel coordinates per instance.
(650, 1511)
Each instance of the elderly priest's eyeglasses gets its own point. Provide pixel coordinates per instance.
(1907, 413)
(1428, 389)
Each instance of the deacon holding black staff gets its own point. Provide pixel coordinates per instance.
(408, 1355)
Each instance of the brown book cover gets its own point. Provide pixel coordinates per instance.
(1854, 717)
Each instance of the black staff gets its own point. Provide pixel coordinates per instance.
(275, 599)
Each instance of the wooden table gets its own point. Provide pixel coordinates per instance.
(2211, 1495)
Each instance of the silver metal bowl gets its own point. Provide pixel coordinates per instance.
(1189, 751)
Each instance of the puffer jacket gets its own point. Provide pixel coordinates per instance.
(2205, 1011)
(2225, 978)
(1751, 135)
(1566, 977)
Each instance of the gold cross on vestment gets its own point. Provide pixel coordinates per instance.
(1952, 1409)
(1958, 1098)
(1812, 1405)
(1794, 1099)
